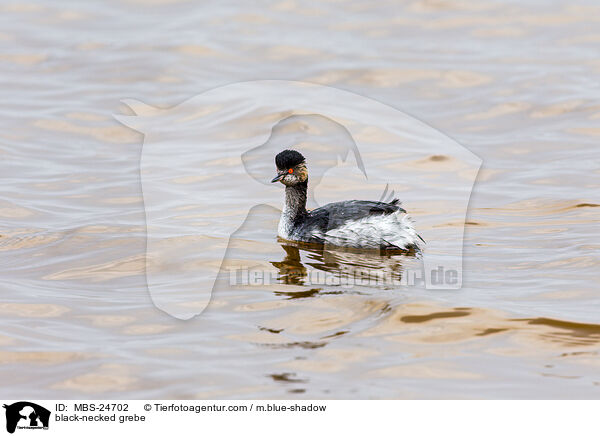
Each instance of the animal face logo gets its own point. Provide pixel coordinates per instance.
(209, 161)
(26, 415)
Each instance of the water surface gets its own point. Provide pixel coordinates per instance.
(515, 82)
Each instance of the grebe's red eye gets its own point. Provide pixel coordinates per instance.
(291, 170)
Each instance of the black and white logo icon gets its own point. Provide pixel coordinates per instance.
(26, 415)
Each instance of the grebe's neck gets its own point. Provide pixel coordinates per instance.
(295, 201)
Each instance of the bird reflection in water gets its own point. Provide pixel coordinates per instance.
(337, 267)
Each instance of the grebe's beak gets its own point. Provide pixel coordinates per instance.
(278, 177)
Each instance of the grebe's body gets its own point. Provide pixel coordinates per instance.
(355, 223)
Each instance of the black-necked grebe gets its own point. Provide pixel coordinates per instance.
(355, 223)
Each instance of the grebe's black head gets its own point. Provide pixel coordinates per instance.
(291, 168)
(288, 159)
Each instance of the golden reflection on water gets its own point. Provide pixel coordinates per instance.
(319, 318)
(336, 261)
